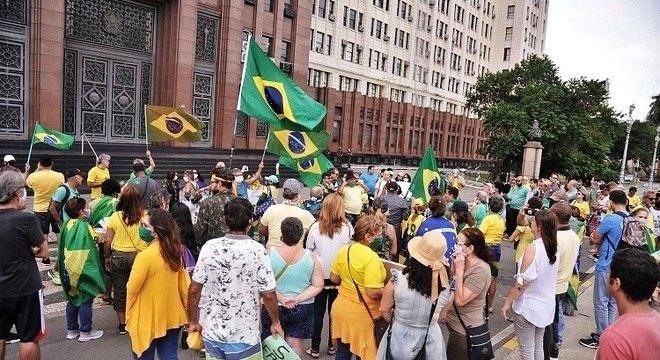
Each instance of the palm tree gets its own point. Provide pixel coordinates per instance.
(654, 112)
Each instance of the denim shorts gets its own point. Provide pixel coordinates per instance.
(297, 322)
(495, 256)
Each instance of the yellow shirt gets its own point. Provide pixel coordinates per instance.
(156, 298)
(367, 269)
(126, 238)
(493, 227)
(353, 199)
(96, 174)
(634, 201)
(44, 183)
(584, 208)
(275, 214)
(526, 238)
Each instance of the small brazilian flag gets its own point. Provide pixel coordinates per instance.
(52, 138)
(297, 145)
(427, 180)
(171, 124)
(310, 170)
(269, 95)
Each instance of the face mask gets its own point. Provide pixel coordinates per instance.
(175, 178)
(195, 176)
(86, 213)
(22, 199)
(239, 179)
(145, 234)
(186, 179)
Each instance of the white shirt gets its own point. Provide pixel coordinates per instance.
(656, 220)
(326, 248)
(233, 270)
(537, 302)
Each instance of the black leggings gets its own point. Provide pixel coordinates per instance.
(325, 297)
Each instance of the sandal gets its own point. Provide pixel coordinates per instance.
(312, 353)
(332, 350)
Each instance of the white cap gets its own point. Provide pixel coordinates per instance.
(9, 158)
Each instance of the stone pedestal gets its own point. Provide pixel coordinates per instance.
(531, 166)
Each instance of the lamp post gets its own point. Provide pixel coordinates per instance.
(630, 123)
(655, 152)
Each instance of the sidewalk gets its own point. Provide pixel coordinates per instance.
(578, 326)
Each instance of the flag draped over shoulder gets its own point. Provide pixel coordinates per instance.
(79, 263)
(310, 170)
(297, 145)
(270, 95)
(650, 240)
(172, 124)
(104, 207)
(427, 180)
(52, 138)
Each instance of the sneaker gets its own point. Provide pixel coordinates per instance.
(55, 276)
(591, 343)
(12, 338)
(121, 329)
(72, 334)
(91, 335)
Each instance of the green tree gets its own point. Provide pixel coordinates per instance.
(578, 127)
(654, 111)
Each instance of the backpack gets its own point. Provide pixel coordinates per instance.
(60, 206)
(633, 235)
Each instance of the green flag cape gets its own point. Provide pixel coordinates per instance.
(103, 209)
(79, 263)
(52, 138)
(297, 145)
(310, 170)
(269, 94)
(427, 180)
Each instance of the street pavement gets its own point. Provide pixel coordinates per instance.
(113, 346)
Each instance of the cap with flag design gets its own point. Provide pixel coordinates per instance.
(310, 170)
(52, 138)
(171, 124)
(427, 181)
(269, 94)
(298, 145)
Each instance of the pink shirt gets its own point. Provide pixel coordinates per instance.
(631, 337)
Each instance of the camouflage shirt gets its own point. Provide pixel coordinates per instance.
(211, 218)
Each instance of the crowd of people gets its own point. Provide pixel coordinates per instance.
(224, 257)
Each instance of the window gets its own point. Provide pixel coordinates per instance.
(401, 38)
(383, 4)
(267, 43)
(374, 90)
(352, 18)
(336, 124)
(510, 11)
(404, 10)
(318, 78)
(286, 51)
(351, 52)
(399, 67)
(397, 95)
(378, 28)
(322, 43)
(507, 54)
(444, 6)
(326, 8)
(376, 60)
(268, 5)
(509, 34)
(347, 84)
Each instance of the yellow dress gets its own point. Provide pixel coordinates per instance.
(350, 320)
(526, 238)
(156, 298)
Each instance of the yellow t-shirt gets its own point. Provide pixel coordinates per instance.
(634, 201)
(275, 214)
(96, 174)
(493, 227)
(526, 238)
(367, 269)
(584, 208)
(44, 183)
(353, 199)
(126, 238)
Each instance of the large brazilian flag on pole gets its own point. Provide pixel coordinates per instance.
(427, 180)
(52, 138)
(297, 145)
(310, 170)
(269, 94)
(79, 263)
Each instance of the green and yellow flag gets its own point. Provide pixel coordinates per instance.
(427, 180)
(270, 95)
(52, 138)
(103, 208)
(79, 263)
(172, 124)
(310, 170)
(297, 145)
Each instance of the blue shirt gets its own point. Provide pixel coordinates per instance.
(611, 227)
(446, 227)
(241, 189)
(370, 181)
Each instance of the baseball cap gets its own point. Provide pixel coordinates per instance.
(272, 178)
(9, 158)
(292, 186)
(73, 172)
(459, 206)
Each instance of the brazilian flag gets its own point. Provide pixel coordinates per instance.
(650, 240)
(297, 145)
(104, 208)
(79, 263)
(172, 124)
(310, 170)
(427, 180)
(269, 94)
(52, 138)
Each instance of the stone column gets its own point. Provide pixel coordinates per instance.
(532, 159)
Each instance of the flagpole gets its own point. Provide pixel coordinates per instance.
(31, 143)
(146, 132)
(265, 147)
(238, 103)
(91, 147)
(82, 144)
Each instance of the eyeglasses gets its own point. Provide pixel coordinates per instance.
(649, 198)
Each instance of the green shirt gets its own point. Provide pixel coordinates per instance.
(517, 196)
(479, 212)
(131, 178)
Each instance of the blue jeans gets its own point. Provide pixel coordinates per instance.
(605, 310)
(165, 346)
(84, 312)
(561, 324)
(344, 352)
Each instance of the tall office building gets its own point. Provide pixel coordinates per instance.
(520, 29)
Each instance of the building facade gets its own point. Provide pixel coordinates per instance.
(520, 31)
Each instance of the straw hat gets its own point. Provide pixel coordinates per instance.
(429, 250)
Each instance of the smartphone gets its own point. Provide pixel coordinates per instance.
(531, 212)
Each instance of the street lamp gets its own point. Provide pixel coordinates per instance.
(655, 152)
(630, 123)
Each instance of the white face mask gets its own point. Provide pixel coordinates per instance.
(195, 176)
(175, 178)
(186, 179)
(239, 179)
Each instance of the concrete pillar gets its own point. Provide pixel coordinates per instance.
(531, 166)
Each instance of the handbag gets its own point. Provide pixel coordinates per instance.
(380, 324)
(478, 339)
(421, 355)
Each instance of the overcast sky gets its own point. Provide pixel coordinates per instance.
(617, 40)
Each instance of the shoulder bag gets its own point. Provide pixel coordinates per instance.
(478, 339)
(421, 355)
(380, 324)
(286, 265)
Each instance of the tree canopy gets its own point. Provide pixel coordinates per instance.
(578, 127)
